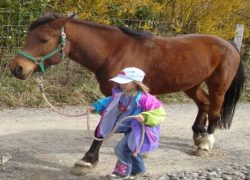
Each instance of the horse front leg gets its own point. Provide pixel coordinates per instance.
(89, 160)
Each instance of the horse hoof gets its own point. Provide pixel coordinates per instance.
(81, 168)
(197, 138)
(80, 171)
(197, 142)
(201, 152)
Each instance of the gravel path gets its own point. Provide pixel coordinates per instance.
(226, 172)
(40, 144)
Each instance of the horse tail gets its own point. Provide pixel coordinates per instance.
(231, 97)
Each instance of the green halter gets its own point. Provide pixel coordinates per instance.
(40, 61)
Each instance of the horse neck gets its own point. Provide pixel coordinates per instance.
(90, 44)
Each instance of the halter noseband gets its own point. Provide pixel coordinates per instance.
(40, 60)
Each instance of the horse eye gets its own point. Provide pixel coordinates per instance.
(44, 40)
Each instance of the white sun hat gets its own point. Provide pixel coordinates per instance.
(128, 75)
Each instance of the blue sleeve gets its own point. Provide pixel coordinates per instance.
(101, 104)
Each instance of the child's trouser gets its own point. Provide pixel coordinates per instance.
(126, 163)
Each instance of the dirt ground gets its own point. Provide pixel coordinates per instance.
(44, 145)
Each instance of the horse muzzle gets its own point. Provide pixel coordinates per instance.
(17, 72)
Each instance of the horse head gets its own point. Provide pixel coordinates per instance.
(45, 45)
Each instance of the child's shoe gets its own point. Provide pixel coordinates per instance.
(136, 175)
(114, 175)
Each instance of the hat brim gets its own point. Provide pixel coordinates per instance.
(121, 80)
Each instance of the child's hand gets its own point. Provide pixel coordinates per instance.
(140, 118)
(90, 109)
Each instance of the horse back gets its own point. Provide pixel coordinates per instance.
(171, 64)
(179, 63)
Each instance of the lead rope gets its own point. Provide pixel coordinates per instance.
(40, 84)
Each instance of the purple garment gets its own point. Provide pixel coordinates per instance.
(151, 140)
(144, 102)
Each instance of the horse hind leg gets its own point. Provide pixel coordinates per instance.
(200, 97)
(224, 90)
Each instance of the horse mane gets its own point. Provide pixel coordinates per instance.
(43, 20)
(136, 33)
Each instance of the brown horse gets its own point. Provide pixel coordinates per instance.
(171, 64)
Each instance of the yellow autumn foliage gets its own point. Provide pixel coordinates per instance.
(222, 18)
(216, 17)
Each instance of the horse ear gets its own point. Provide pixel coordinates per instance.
(58, 23)
(71, 14)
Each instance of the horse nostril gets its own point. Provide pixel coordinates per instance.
(18, 71)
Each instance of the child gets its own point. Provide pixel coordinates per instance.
(130, 97)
